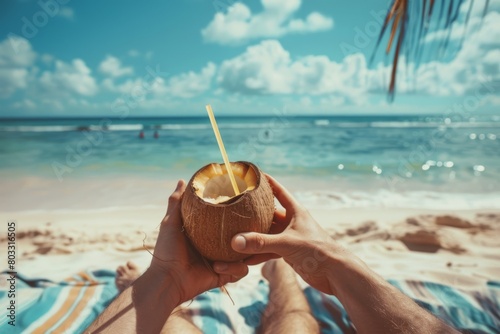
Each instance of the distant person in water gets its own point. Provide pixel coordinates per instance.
(149, 303)
(141, 135)
(156, 135)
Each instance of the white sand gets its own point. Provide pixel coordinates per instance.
(459, 249)
(66, 227)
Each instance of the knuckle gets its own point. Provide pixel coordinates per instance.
(259, 243)
(241, 273)
(300, 210)
(305, 212)
(174, 197)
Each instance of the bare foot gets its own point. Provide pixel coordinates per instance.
(126, 275)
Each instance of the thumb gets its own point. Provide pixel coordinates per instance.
(258, 243)
(175, 199)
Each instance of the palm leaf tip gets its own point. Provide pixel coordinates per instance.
(406, 33)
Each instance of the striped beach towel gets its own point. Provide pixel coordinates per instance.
(470, 311)
(70, 306)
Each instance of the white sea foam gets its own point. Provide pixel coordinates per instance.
(184, 126)
(38, 128)
(408, 124)
(252, 125)
(404, 200)
(125, 127)
(322, 122)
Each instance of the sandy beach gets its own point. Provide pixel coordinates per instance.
(65, 230)
(453, 247)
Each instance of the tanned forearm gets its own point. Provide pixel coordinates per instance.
(374, 305)
(142, 308)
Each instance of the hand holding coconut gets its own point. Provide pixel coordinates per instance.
(175, 258)
(177, 273)
(374, 305)
(295, 236)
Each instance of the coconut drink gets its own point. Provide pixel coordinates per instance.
(213, 212)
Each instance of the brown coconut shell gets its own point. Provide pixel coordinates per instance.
(210, 225)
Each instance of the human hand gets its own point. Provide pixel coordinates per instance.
(176, 260)
(296, 237)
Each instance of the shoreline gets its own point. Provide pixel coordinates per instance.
(39, 194)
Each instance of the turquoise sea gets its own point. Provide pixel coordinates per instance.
(430, 154)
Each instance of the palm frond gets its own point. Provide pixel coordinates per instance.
(407, 32)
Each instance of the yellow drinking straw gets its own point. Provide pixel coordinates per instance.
(222, 149)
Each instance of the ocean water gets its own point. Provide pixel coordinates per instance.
(317, 155)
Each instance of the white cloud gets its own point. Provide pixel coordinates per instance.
(16, 56)
(184, 85)
(267, 68)
(11, 80)
(191, 83)
(314, 22)
(47, 58)
(18, 71)
(130, 85)
(476, 63)
(240, 25)
(66, 12)
(112, 67)
(478, 7)
(16, 52)
(458, 28)
(68, 78)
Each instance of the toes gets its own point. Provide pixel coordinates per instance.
(131, 265)
(120, 270)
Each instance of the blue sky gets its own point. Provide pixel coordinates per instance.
(169, 58)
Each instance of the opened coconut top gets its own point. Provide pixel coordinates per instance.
(212, 183)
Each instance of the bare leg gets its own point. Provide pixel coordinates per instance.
(288, 310)
(178, 322)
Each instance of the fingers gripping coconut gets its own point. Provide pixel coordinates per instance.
(212, 214)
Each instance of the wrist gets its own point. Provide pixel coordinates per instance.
(348, 274)
(336, 262)
(160, 285)
(153, 298)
